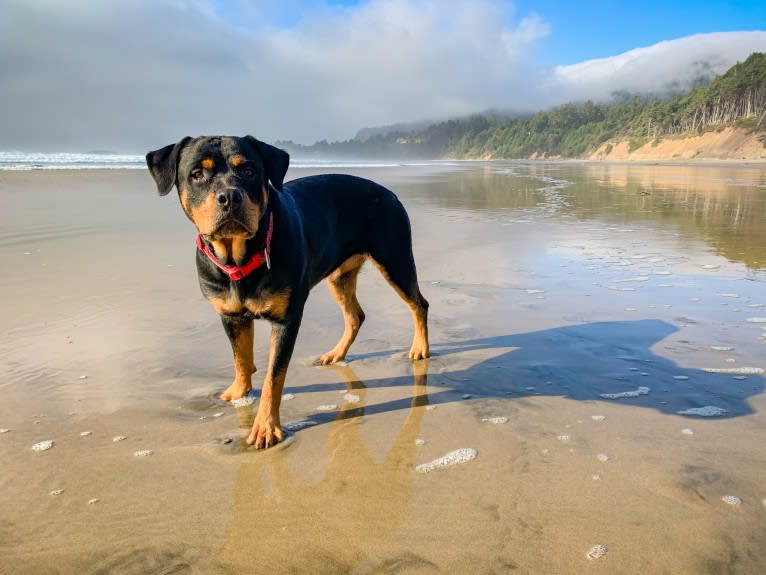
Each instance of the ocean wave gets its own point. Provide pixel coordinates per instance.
(25, 161)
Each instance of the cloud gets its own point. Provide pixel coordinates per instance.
(667, 66)
(131, 75)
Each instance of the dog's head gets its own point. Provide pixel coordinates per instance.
(222, 182)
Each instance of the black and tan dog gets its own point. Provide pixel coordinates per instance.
(262, 245)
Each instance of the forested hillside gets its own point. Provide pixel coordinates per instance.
(737, 98)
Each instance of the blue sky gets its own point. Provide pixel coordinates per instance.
(582, 30)
(579, 29)
(130, 74)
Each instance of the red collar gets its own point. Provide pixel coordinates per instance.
(238, 272)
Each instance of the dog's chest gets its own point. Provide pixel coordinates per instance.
(270, 305)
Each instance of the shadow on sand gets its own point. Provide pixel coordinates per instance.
(342, 516)
(580, 362)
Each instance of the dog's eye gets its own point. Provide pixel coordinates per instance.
(249, 172)
(198, 175)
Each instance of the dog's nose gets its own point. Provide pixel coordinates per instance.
(229, 198)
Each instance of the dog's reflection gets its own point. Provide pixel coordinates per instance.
(281, 526)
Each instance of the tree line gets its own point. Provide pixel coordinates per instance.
(736, 98)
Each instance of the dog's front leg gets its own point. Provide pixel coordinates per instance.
(267, 429)
(240, 332)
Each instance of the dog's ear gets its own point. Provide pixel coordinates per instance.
(163, 165)
(275, 160)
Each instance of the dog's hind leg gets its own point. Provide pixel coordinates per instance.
(395, 261)
(342, 286)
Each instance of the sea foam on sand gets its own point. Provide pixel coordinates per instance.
(463, 455)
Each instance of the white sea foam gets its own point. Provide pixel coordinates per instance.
(735, 370)
(463, 455)
(731, 499)
(298, 425)
(243, 401)
(142, 452)
(25, 161)
(496, 420)
(707, 411)
(596, 552)
(42, 446)
(636, 393)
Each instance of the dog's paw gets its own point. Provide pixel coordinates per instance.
(236, 391)
(265, 433)
(330, 357)
(417, 353)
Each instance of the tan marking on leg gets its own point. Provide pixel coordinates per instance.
(420, 348)
(243, 365)
(267, 428)
(342, 286)
(353, 263)
(272, 305)
(226, 304)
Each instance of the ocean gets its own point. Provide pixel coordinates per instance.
(23, 161)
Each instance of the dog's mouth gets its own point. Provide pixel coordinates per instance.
(229, 228)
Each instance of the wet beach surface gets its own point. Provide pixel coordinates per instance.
(598, 335)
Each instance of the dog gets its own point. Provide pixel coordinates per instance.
(263, 244)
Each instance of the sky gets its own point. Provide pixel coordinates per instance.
(133, 75)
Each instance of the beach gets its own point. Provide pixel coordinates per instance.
(598, 338)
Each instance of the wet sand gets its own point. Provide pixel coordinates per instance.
(552, 288)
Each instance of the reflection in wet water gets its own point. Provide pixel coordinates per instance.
(335, 521)
(723, 206)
